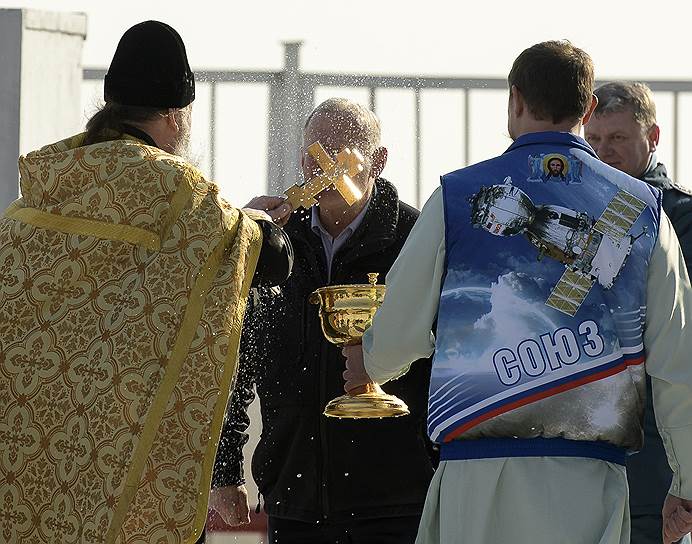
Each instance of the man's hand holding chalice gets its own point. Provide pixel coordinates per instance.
(355, 374)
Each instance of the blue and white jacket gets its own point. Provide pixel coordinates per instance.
(543, 304)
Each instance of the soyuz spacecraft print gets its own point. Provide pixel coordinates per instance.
(591, 250)
(550, 167)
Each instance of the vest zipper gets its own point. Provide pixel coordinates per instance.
(324, 492)
(320, 263)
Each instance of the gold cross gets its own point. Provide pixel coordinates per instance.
(337, 173)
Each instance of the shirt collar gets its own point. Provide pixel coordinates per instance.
(317, 226)
(550, 137)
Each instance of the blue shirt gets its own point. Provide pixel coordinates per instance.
(332, 245)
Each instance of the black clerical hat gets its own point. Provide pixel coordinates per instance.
(150, 68)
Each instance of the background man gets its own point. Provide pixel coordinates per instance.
(624, 134)
(538, 382)
(326, 480)
(124, 278)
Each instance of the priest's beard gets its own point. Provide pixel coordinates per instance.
(182, 145)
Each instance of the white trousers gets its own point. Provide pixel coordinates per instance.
(527, 500)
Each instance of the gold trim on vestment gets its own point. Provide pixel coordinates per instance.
(188, 328)
(86, 227)
(230, 367)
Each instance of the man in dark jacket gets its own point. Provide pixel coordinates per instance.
(624, 134)
(327, 480)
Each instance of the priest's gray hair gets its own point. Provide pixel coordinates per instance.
(359, 126)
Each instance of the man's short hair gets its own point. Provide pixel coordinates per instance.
(556, 80)
(360, 126)
(630, 96)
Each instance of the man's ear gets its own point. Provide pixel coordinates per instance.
(379, 160)
(653, 136)
(590, 110)
(516, 101)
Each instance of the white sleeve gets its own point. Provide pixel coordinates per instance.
(402, 328)
(668, 342)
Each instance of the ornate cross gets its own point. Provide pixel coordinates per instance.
(337, 173)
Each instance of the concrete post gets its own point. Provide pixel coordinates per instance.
(40, 85)
(290, 101)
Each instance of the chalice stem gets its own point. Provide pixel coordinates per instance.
(366, 388)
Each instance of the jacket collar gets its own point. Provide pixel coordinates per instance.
(555, 138)
(656, 175)
(382, 218)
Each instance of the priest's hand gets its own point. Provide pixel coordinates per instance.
(355, 375)
(276, 207)
(231, 504)
(677, 518)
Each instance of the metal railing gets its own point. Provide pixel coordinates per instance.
(292, 94)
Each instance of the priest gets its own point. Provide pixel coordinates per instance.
(123, 280)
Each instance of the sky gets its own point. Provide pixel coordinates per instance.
(436, 37)
(628, 40)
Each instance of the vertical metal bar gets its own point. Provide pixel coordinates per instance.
(292, 114)
(417, 114)
(275, 136)
(268, 143)
(467, 128)
(285, 121)
(676, 133)
(373, 99)
(212, 130)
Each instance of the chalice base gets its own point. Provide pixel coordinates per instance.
(366, 406)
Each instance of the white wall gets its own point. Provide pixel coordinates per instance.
(10, 78)
(40, 85)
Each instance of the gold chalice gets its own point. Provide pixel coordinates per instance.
(346, 311)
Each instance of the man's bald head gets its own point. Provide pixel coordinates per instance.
(337, 123)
